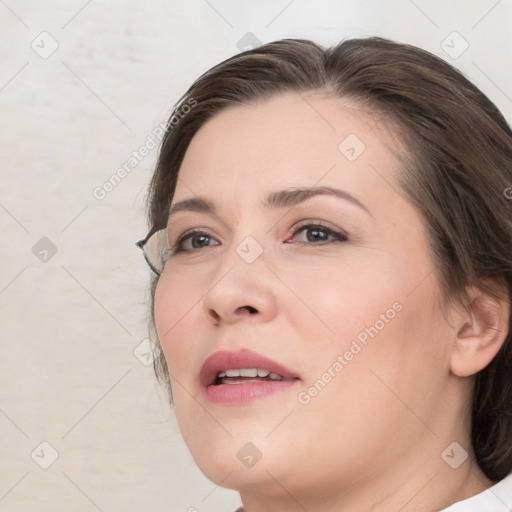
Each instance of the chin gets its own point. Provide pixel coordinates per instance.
(238, 463)
(236, 476)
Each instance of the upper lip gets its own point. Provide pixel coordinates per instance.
(243, 358)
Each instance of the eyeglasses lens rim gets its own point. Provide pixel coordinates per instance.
(153, 245)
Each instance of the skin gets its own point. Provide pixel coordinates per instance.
(372, 438)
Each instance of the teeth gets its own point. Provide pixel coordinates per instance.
(253, 372)
(249, 372)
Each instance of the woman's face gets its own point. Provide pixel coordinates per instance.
(345, 308)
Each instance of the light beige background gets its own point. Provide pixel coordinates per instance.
(69, 326)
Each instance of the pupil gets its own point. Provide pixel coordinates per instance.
(316, 231)
(200, 238)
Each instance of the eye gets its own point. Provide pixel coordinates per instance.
(197, 238)
(317, 232)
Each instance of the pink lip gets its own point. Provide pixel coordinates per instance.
(234, 394)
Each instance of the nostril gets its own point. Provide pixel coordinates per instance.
(251, 310)
(215, 315)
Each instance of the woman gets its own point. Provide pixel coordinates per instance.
(331, 242)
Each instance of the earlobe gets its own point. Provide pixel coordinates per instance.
(481, 332)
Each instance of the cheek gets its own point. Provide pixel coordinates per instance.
(364, 391)
(382, 336)
(175, 308)
(343, 298)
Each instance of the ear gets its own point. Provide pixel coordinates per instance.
(481, 331)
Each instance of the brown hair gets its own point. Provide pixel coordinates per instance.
(456, 169)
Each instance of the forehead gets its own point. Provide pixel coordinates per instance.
(285, 141)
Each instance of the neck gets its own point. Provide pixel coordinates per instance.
(424, 491)
(418, 479)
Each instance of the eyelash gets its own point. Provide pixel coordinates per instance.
(339, 236)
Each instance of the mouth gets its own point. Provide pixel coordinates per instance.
(242, 376)
(245, 375)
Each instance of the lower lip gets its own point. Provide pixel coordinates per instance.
(240, 394)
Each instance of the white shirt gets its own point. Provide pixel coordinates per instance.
(497, 498)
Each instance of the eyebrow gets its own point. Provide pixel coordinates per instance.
(280, 199)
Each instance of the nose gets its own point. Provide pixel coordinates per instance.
(241, 291)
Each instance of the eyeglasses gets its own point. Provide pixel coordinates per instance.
(155, 248)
